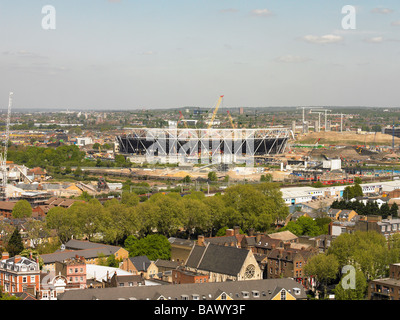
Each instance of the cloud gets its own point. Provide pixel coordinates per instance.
(23, 54)
(149, 53)
(374, 40)
(291, 59)
(261, 12)
(326, 39)
(382, 10)
(395, 23)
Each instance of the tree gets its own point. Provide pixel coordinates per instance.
(303, 226)
(323, 267)
(78, 172)
(130, 199)
(15, 244)
(394, 210)
(187, 179)
(197, 216)
(367, 251)
(154, 246)
(357, 293)
(384, 210)
(212, 176)
(169, 213)
(22, 209)
(266, 178)
(63, 221)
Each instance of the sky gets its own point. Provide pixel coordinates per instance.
(131, 54)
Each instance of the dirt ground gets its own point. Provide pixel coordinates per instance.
(347, 138)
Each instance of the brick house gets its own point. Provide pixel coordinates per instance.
(6, 208)
(74, 270)
(19, 274)
(140, 265)
(387, 288)
(289, 262)
(180, 249)
(180, 276)
(125, 281)
(91, 251)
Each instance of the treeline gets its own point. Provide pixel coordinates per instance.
(370, 208)
(52, 159)
(247, 206)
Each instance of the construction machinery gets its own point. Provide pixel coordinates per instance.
(3, 156)
(215, 112)
(183, 120)
(230, 119)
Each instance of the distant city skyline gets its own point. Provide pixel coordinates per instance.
(128, 54)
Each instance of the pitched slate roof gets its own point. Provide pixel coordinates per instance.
(219, 259)
(266, 289)
(141, 263)
(83, 245)
(87, 254)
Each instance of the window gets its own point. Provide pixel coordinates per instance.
(76, 270)
(223, 296)
(245, 294)
(283, 294)
(24, 280)
(81, 269)
(32, 279)
(121, 284)
(196, 297)
(185, 297)
(256, 294)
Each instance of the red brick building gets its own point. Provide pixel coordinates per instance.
(19, 274)
(182, 276)
(74, 269)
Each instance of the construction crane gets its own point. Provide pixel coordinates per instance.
(3, 156)
(230, 119)
(215, 112)
(183, 119)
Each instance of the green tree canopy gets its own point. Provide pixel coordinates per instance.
(22, 209)
(154, 246)
(15, 245)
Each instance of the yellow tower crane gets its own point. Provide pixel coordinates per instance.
(215, 112)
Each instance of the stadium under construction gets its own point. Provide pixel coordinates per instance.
(201, 145)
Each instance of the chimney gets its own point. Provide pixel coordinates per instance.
(5, 255)
(236, 230)
(258, 237)
(30, 255)
(229, 232)
(200, 240)
(286, 245)
(17, 258)
(251, 232)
